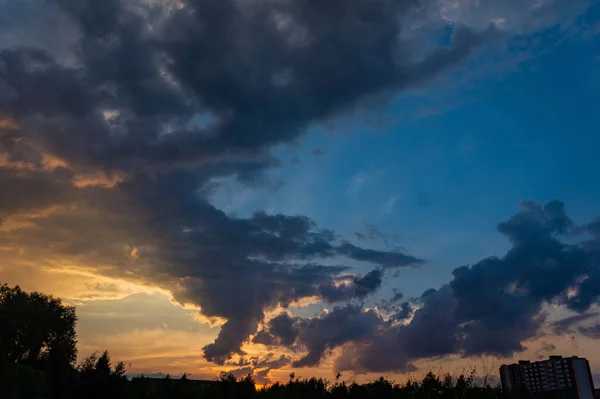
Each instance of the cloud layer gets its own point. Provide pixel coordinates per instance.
(110, 142)
(489, 308)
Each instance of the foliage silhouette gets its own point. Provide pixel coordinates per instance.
(37, 343)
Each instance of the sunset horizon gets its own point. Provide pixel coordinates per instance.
(356, 188)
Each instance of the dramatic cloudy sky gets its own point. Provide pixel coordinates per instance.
(371, 187)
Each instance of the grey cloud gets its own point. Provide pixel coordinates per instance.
(547, 347)
(239, 285)
(373, 233)
(270, 361)
(368, 283)
(329, 330)
(397, 296)
(384, 259)
(359, 236)
(230, 338)
(395, 310)
(404, 312)
(591, 231)
(264, 338)
(589, 290)
(21, 188)
(593, 228)
(279, 331)
(162, 78)
(512, 16)
(564, 326)
(359, 287)
(590, 331)
(492, 306)
(33, 23)
(194, 256)
(321, 334)
(283, 328)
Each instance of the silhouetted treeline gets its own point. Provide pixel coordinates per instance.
(99, 381)
(38, 351)
(431, 387)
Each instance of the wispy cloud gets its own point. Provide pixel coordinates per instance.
(390, 203)
(358, 182)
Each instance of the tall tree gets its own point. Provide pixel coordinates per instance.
(37, 330)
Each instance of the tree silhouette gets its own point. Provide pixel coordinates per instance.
(36, 329)
(99, 379)
(37, 341)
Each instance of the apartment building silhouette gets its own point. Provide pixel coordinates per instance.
(557, 377)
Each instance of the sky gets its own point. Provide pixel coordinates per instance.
(370, 187)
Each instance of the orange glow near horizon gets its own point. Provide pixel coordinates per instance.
(161, 336)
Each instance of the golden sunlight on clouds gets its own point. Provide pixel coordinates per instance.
(8, 123)
(210, 321)
(51, 162)
(148, 330)
(26, 220)
(100, 179)
(5, 162)
(69, 283)
(138, 324)
(292, 307)
(46, 162)
(144, 327)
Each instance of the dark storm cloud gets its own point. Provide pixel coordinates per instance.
(492, 306)
(281, 330)
(253, 66)
(320, 334)
(368, 283)
(258, 284)
(316, 335)
(263, 337)
(329, 330)
(234, 284)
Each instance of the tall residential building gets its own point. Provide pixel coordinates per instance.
(557, 377)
